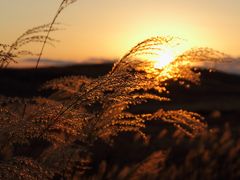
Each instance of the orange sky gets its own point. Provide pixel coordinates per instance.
(109, 28)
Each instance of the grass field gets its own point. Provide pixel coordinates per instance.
(169, 153)
(154, 113)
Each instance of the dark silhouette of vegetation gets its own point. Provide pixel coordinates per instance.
(64, 136)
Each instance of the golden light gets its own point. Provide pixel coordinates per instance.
(164, 58)
(167, 54)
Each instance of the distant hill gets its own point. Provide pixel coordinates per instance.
(217, 90)
(26, 81)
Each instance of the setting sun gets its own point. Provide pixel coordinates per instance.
(164, 58)
(167, 53)
(160, 78)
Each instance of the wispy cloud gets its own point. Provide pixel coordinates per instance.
(31, 62)
(230, 65)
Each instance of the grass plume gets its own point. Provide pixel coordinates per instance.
(40, 34)
(97, 111)
(62, 6)
(9, 53)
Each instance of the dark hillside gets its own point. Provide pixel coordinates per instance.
(217, 92)
(26, 82)
(217, 98)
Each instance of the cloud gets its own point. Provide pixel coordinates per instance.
(230, 65)
(49, 62)
(31, 62)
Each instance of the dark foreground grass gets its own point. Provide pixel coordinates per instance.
(168, 154)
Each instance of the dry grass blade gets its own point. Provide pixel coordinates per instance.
(97, 110)
(10, 53)
(149, 46)
(119, 89)
(23, 168)
(63, 5)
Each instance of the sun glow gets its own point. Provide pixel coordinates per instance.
(164, 58)
(167, 54)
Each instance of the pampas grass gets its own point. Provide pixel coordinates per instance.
(48, 138)
(9, 53)
(99, 110)
(62, 6)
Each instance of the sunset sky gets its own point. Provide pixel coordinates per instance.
(109, 28)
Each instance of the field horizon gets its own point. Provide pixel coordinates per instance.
(217, 99)
(136, 90)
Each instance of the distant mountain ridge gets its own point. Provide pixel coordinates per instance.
(31, 62)
(217, 90)
(232, 65)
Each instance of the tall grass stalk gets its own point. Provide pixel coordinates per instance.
(62, 6)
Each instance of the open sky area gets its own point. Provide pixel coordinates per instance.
(109, 28)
